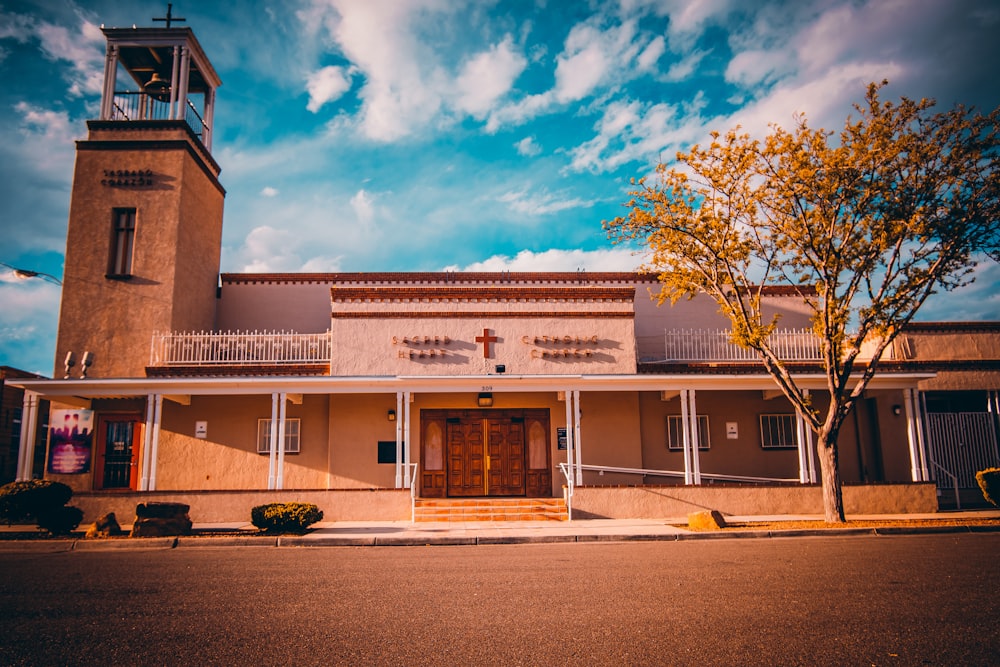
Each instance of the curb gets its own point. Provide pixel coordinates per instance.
(137, 543)
(151, 543)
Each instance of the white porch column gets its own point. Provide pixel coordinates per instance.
(811, 447)
(695, 444)
(914, 437)
(400, 418)
(686, 439)
(155, 444)
(569, 431)
(577, 449)
(26, 444)
(918, 417)
(279, 475)
(802, 444)
(407, 445)
(147, 443)
(272, 459)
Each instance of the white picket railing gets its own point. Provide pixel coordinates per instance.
(248, 348)
(717, 345)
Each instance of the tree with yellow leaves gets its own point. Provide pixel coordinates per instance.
(865, 226)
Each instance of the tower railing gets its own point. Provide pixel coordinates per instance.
(236, 348)
(131, 106)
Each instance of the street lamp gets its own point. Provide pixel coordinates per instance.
(25, 274)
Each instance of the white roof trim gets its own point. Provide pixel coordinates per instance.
(232, 386)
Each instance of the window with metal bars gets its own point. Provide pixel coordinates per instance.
(675, 432)
(777, 431)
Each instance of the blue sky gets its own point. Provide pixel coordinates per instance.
(422, 135)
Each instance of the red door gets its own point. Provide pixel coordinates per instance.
(117, 465)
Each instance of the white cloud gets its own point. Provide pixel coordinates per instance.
(267, 249)
(84, 50)
(269, 192)
(651, 54)
(487, 77)
(363, 205)
(403, 86)
(29, 311)
(326, 85)
(543, 203)
(632, 131)
(51, 127)
(528, 147)
(611, 259)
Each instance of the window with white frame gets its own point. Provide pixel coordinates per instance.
(291, 436)
(778, 431)
(675, 432)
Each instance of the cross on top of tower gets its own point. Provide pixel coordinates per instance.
(169, 18)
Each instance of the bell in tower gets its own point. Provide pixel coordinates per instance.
(145, 225)
(166, 76)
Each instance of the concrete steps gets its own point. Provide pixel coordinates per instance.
(490, 509)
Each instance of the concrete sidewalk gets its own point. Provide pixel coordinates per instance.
(405, 533)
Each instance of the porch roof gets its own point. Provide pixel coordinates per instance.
(93, 388)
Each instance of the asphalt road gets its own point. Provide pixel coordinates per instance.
(907, 600)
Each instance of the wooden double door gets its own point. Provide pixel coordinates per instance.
(485, 453)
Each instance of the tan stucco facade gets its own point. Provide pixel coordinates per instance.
(164, 174)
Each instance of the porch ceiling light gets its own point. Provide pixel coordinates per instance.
(485, 399)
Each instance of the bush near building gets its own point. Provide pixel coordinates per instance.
(285, 517)
(42, 501)
(29, 499)
(989, 482)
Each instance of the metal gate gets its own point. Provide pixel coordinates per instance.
(962, 443)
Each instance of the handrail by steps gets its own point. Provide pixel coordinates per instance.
(954, 481)
(568, 474)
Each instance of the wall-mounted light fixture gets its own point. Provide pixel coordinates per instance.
(501, 368)
(88, 361)
(897, 410)
(485, 399)
(391, 415)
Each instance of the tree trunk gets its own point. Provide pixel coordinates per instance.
(833, 497)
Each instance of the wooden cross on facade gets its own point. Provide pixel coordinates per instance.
(486, 339)
(169, 18)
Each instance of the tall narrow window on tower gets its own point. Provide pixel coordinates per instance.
(122, 240)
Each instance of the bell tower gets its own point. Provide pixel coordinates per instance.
(145, 225)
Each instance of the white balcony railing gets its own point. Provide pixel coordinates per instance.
(717, 345)
(239, 349)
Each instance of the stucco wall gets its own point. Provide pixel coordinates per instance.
(679, 501)
(175, 259)
(526, 346)
(228, 458)
(235, 506)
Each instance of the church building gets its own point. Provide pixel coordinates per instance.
(387, 395)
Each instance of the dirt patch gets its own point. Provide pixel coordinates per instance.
(887, 523)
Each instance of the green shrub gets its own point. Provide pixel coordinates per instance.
(32, 498)
(989, 482)
(61, 520)
(285, 517)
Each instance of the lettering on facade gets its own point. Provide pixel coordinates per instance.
(561, 347)
(418, 347)
(127, 178)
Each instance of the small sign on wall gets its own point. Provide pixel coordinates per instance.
(561, 438)
(732, 431)
(201, 430)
